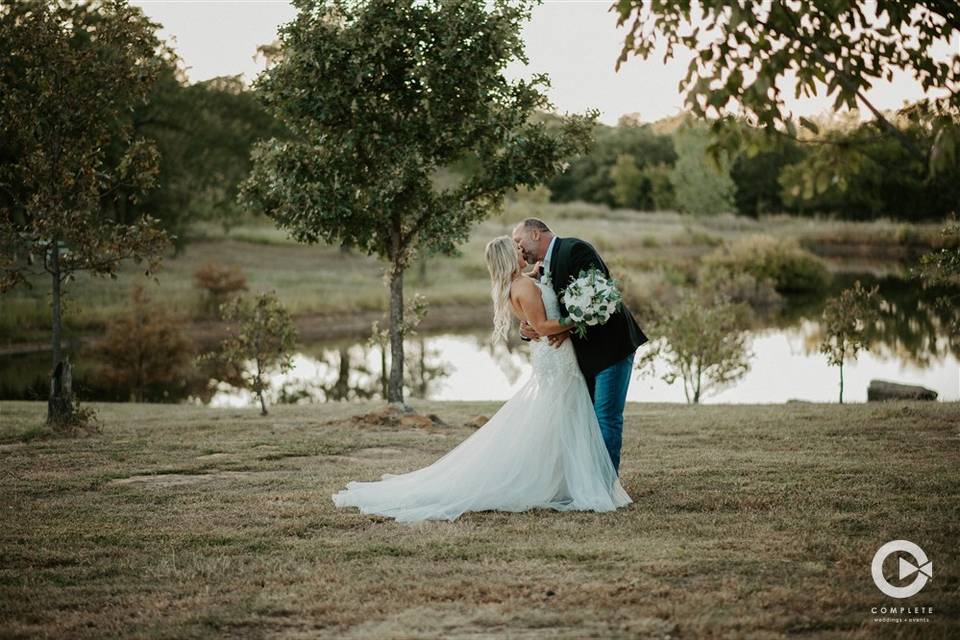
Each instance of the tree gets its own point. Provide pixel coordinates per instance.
(941, 267)
(414, 312)
(662, 196)
(856, 173)
(757, 177)
(845, 321)
(628, 182)
(69, 72)
(701, 343)
(218, 282)
(589, 176)
(143, 348)
(261, 333)
(702, 185)
(204, 132)
(381, 97)
(744, 51)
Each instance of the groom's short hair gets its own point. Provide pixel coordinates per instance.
(535, 223)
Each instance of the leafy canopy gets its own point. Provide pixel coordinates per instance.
(846, 320)
(701, 342)
(381, 97)
(743, 51)
(69, 72)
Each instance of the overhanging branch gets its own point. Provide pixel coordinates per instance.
(847, 82)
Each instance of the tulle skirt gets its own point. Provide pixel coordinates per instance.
(542, 449)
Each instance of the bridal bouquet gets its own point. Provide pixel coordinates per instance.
(591, 298)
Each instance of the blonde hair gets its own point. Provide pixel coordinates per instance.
(503, 264)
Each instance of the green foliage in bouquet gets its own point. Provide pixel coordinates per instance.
(591, 298)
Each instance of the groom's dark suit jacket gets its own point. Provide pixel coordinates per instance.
(604, 344)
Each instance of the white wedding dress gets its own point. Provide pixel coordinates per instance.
(543, 448)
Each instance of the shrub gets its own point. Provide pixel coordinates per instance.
(845, 322)
(261, 331)
(782, 261)
(143, 348)
(219, 283)
(941, 268)
(693, 238)
(761, 295)
(907, 235)
(701, 341)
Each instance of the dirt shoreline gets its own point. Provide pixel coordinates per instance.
(842, 257)
(310, 327)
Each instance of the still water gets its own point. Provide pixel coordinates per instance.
(912, 345)
(465, 367)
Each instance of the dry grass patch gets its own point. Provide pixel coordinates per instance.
(748, 521)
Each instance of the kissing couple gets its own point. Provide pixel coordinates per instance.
(556, 443)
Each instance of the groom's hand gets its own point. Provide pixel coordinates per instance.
(527, 331)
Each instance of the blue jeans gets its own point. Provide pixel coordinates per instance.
(608, 390)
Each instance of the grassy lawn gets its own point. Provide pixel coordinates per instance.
(749, 521)
(645, 249)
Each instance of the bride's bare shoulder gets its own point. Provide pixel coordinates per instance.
(523, 293)
(521, 286)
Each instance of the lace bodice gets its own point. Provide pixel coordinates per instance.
(550, 302)
(547, 361)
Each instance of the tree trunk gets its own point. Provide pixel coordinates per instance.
(55, 303)
(395, 385)
(259, 384)
(384, 391)
(423, 368)
(60, 402)
(841, 382)
(696, 391)
(341, 388)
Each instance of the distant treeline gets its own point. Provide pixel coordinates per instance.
(854, 171)
(204, 132)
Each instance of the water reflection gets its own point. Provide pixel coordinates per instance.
(910, 328)
(913, 343)
(787, 365)
(345, 372)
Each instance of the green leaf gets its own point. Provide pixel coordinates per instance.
(809, 125)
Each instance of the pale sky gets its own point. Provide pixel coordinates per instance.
(575, 42)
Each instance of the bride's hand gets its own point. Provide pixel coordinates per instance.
(558, 339)
(535, 272)
(527, 330)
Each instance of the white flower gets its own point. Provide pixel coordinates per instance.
(591, 299)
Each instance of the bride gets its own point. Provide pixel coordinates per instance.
(543, 448)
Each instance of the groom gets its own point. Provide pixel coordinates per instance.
(605, 355)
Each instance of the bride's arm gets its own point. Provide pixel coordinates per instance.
(526, 295)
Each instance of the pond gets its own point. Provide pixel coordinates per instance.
(912, 345)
